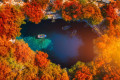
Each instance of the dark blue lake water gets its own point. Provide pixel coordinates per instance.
(64, 47)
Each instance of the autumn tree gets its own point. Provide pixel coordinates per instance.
(110, 11)
(23, 52)
(107, 61)
(5, 45)
(107, 47)
(34, 11)
(6, 72)
(88, 10)
(71, 10)
(41, 59)
(53, 72)
(11, 17)
(80, 71)
(112, 19)
(83, 74)
(92, 14)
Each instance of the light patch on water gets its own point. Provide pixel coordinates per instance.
(64, 46)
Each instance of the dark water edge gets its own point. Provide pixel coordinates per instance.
(84, 33)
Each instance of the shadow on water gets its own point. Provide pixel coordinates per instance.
(67, 50)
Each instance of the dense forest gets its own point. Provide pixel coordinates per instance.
(19, 62)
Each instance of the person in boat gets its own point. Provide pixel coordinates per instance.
(42, 36)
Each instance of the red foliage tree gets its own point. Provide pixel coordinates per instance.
(71, 10)
(110, 12)
(34, 11)
(83, 74)
(10, 21)
(41, 59)
(112, 19)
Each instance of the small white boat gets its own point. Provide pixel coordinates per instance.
(42, 35)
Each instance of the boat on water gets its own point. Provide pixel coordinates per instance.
(66, 27)
(42, 36)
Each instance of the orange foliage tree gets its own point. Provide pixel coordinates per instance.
(23, 52)
(83, 74)
(88, 10)
(5, 45)
(41, 59)
(110, 12)
(92, 13)
(34, 11)
(80, 71)
(10, 20)
(71, 10)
